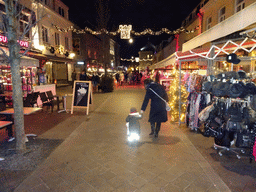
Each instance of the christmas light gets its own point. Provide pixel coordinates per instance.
(125, 34)
(173, 95)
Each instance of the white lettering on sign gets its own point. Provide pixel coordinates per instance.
(3, 39)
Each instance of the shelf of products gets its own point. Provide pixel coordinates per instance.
(28, 79)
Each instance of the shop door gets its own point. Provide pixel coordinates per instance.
(60, 72)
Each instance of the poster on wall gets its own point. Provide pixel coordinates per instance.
(165, 83)
(82, 95)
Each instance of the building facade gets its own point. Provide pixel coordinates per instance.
(55, 45)
(219, 27)
(146, 54)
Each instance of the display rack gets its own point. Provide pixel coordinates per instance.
(27, 80)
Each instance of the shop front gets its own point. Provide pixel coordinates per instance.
(28, 70)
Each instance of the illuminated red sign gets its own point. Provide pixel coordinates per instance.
(3, 39)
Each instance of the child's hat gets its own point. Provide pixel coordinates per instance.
(133, 110)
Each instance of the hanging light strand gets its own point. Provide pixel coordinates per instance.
(145, 32)
(133, 60)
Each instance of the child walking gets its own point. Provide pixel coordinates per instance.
(133, 125)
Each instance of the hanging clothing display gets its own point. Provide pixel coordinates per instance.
(197, 99)
(231, 119)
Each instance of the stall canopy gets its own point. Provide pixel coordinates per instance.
(29, 62)
(247, 45)
(24, 60)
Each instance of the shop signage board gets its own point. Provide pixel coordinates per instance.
(4, 39)
(165, 83)
(82, 95)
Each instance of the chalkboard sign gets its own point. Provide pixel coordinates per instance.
(82, 95)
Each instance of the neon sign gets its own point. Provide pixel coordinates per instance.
(3, 39)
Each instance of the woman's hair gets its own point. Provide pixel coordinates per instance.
(147, 81)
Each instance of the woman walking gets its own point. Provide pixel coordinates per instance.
(158, 113)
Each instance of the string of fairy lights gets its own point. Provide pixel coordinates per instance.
(125, 31)
(145, 32)
(134, 60)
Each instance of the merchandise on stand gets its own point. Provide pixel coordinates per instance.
(28, 79)
(231, 119)
(197, 100)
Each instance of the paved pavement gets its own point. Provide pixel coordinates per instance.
(97, 157)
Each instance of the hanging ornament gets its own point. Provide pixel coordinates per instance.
(125, 31)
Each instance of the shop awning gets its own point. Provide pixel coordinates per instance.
(165, 62)
(29, 62)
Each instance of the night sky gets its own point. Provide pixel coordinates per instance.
(141, 14)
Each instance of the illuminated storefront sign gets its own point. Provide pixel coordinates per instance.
(3, 39)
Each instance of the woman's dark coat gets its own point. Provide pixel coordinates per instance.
(158, 111)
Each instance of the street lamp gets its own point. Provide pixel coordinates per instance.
(131, 40)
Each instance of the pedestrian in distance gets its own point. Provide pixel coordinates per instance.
(83, 76)
(158, 113)
(73, 76)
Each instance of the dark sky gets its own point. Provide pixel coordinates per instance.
(141, 14)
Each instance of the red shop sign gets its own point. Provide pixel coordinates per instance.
(3, 39)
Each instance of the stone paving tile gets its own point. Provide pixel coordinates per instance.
(138, 182)
(52, 181)
(82, 187)
(136, 169)
(179, 182)
(74, 181)
(29, 183)
(40, 188)
(170, 187)
(127, 175)
(126, 188)
(116, 181)
(161, 183)
(63, 187)
(201, 183)
(108, 175)
(148, 176)
(149, 187)
(97, 181)
(167, 176)
(106, 187)
(213, 189)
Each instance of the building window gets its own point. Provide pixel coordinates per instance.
(45, 34)
(57, 39)
(95, 55)
(61, 11)
(89, 53)
(222, 13)
(46, 2)
(240, 4)
(208, 23)
(66, 43)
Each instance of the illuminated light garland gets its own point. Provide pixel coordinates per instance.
(132, 60)
(145, 32)
(173, 95)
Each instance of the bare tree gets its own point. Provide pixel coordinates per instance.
(15, 32)
(102, 20)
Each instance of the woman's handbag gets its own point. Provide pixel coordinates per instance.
(167, 107)
(204, 114)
